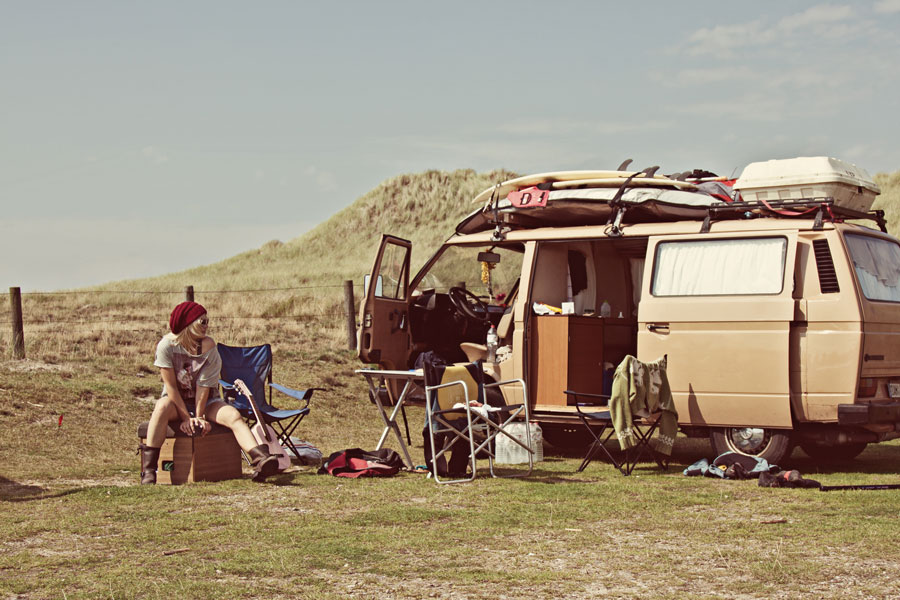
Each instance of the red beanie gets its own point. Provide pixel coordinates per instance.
(183, 315)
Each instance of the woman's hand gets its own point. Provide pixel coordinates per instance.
(200, 426)
(187, 427)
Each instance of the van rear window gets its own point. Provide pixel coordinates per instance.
(877, 265)
(716, 267)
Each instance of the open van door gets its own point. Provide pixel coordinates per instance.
(384, 312)
(720, 306)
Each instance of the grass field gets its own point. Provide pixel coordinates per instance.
(75, 524)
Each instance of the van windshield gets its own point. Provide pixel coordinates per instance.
(491, 279)
(877, 265)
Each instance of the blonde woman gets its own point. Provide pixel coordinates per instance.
(189, 364)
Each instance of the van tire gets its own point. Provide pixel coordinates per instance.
(833, 452)
(771, 444)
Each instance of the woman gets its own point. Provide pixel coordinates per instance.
(189, 364)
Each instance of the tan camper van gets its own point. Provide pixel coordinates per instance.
(779, 316)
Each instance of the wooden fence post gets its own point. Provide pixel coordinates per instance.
(18, 330)
(350, 309)
(189, 293)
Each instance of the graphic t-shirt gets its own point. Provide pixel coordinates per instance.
(191, 370)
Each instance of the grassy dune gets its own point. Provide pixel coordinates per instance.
(75, 524)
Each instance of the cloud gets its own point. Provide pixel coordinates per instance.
(324, 180)
(155, 155)
(557, 127)
(887, 7)
(825, 21)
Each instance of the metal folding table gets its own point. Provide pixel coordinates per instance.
(377, 378)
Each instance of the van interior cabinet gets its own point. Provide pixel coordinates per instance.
(569, 351)
(568, 356)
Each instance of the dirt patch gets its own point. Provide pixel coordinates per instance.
(34, 366)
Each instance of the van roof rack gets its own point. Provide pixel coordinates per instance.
(824, 208)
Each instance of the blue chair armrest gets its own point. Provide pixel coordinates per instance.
(302, 395)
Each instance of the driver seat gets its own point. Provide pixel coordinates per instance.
(478, 352)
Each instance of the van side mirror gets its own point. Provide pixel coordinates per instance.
(489, 257)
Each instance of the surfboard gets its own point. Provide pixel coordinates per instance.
(617, 181)
(525, 181)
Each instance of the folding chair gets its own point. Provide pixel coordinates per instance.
(639, 403)
(253, 365)
(455, 423)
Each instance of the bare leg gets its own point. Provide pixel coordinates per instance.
(227, 415)
(164, 412)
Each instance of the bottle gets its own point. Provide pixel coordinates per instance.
(605, 310)
(492, 341)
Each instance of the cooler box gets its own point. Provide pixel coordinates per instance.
(808, 177)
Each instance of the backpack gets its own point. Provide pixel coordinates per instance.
(355, 462)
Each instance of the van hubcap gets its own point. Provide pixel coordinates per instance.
(749, 440)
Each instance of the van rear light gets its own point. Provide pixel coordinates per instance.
(868, 387)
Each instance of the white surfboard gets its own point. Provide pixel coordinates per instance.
(525, 181)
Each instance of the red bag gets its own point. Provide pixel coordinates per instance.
(355, 462)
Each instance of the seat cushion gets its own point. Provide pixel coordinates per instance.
(173, 432)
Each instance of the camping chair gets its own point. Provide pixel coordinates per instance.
(640, 401)
(253, 365)
(454, 424)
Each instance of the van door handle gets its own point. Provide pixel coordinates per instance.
(660, 327)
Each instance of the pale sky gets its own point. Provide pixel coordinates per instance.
(140, 139)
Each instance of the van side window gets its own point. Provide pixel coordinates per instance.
(744, 266)
(877, 265)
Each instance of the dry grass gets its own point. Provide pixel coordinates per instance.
(75, 524)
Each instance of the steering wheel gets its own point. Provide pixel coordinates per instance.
(468, 304)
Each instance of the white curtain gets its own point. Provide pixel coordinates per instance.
(877, 265)
(719, 267)
(637, 280)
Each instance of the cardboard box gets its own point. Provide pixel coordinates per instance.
(185, 459)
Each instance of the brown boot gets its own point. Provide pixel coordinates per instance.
(149, 464)
(263, 463)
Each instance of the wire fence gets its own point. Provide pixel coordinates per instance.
(75, 317)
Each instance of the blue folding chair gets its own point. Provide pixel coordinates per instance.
(253, 365)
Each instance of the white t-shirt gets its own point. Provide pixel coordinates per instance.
(191, 370)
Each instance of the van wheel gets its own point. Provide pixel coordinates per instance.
(770, 444)
(827, 453)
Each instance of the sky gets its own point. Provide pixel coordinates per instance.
(139, 139)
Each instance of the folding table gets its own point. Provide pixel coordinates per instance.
(377, 378)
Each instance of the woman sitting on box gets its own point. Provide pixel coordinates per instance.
(189, 363)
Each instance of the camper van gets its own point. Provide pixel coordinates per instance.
(775, 298)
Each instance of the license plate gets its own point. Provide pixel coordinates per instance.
(894, 389)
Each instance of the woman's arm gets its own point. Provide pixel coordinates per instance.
(168, 377)
(200, 422)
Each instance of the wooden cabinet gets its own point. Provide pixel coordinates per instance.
(568, 353)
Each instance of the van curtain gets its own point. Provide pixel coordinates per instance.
(719, 267)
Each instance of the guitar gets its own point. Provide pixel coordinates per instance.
(264, 434)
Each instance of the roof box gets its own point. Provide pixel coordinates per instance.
(808, 177)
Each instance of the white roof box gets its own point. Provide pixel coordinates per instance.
(808, 177)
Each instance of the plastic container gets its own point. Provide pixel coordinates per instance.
(605, 310)
(808, 177)
(491, 342)
(510, 453)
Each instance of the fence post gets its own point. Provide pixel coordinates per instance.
(350, 308)
(189, 293)
(18, 331)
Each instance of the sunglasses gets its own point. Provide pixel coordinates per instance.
(204, 321)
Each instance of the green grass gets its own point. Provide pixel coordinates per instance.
(75, 524)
